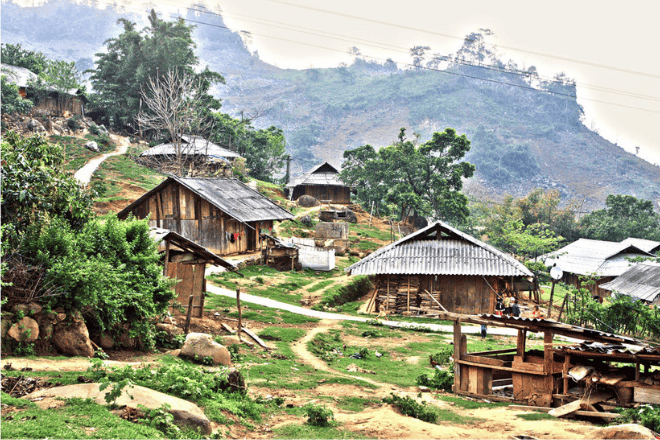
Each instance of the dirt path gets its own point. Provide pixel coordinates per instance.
(84, 175)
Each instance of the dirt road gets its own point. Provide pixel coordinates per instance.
(84, 175)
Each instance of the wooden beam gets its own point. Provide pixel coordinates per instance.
(506, 350)
(520, 345)
(227, 328)
(495, 367)
(256, 338)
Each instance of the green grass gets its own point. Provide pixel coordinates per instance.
(355, 404)
(532, 417)
(283, 334)
(76, 155)
(306, 431)
(471, 404)
(320, 286)
(220, 303)
(54, 377)
(77, 419)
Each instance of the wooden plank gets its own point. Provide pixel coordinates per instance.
(482, 360)
(520, 344)
(646, 395)
(567, 409)
(506, 350)
(595, 398)
(473, 380)
(256, 338)
(547, 352)
(603, 415)
(230, 330)
(536, 372)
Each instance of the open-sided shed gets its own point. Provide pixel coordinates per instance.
(223, 215)
(321, 182)
(439, 268)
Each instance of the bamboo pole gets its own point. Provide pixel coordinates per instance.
(552, 294)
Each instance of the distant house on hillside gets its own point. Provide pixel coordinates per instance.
(439, 268)
(223, 215)
(196, 153)
(72, 102)
(604, 260)
(640, 282)
(321, 182)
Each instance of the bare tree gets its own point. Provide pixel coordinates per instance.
(173, 107)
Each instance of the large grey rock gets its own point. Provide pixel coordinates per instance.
(34, 125)
(25, 330)
(92, 146)
(307, 201)
(623, 432)
(201, 345)
(72, 338)
(306, 220)
(184, 412)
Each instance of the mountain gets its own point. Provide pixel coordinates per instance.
(526, 131)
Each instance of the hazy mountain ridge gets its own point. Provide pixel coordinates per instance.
(521, 139)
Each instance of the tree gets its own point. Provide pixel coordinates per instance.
(543, 207)
(60, 77)
(426, 179)
(15, 55)
(135, 57)
(623, 217)
(12, 101)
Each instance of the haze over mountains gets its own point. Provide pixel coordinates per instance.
(521, 138)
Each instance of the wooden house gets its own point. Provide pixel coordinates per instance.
(321, 182)
(186, 261)
(72, 101)
(223, 215)
(596, 369)
(602, 260)
(640, 282)
(439, 268)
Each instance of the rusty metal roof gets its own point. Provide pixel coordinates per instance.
(231, 196)
(595, 257)
(323, 174)
(439, 249)
(642, 281)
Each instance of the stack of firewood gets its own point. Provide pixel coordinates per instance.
(396, 300)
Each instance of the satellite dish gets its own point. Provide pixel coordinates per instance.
(556, 273)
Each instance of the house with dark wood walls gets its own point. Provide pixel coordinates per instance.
(321, 182)
(223, 215)
(439, 268)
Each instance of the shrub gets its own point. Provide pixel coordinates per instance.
(74, 123)
(318, 415)
(441, 380)
(442, 357)
(645, 415)
(410, 407)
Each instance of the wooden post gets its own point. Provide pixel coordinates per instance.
(167, 257)
(567, 364)
(238, 303)
(408, 292)
(561, 309)
(188, 315)
(552, 294)
(520, 348)
(457, 355)
(387, 304)
(547, 352)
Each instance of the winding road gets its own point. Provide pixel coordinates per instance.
(84, 174)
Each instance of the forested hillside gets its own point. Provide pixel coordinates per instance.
(521, 138)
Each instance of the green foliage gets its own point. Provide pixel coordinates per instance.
(116, 389)
(410, 407)
(471, 404)
(24, 349)
(354, 290)
(536, 416)
(424, 179)
(623, 216)
(12, 101)
(645, 415)
(318, 415)
(35, 188)
(441, 380)
(109, 270)
(60, 77)
(15, 55)
(162, 420)
(132, 58)
(442, 357)
(499, 162)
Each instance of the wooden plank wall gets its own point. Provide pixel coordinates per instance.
(463, 294)
(335, 194)
(191, 282)
(178, 209)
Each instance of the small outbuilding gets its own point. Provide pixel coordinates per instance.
(439, 268)
(603, 260)
(640, 282)
(321, 182)
(186, 261)
(223, 215)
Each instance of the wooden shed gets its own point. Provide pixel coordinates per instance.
(594, 371)
(186, 261)
(223, 215)
(439, 268)
(321, 182)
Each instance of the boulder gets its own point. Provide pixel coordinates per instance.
(25, 330)
(623, 432)
(306, 220)
(72, 338)
(201, 345)
(106, 341)
(350, 216)
(308, 201)
(92, 146)
(34, 125)
(27, 309)
(184, 412)
(5, 323)
(172, 330)
(46, 329)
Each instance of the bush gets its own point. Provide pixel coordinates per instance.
(441, 380)
(318, 415)
(74, 123)
(12, 101)
(410, 407)
(645, 415)
(442, 357)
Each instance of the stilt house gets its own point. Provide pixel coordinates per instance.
(223, 215)
(321, 182)
(439, 268)
(603, 260)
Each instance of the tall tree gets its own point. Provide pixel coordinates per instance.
(623, 217)
(133, 58)
(426, 179)
(15, 55)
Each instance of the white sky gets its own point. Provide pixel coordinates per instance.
(613, 44)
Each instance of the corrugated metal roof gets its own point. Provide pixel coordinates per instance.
(192, 146)
(439, 249)
(22, 77)
(645, 245)
(323, 174)
(231, 196)
(642, 281)
(594, 257)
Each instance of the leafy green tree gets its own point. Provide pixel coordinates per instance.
(623, 217)
(426, 179)
(15, 55)
(60, 77)
(543, 207)
(12, 101)
(134, 57)
(528, 241)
